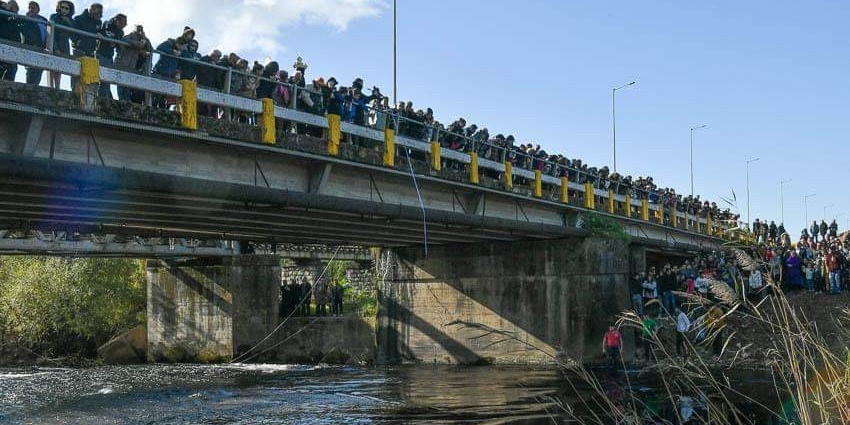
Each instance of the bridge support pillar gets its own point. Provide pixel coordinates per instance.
(521, 302)
(211, 309)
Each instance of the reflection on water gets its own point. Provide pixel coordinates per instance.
(280, 394)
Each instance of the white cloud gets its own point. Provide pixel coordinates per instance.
(240, 25)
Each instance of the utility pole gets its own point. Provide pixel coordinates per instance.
(782, 199)
(614, 118)
(699, 127)
(749, 161)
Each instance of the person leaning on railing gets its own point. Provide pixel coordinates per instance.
(130, 56)
(10, 29)
(114, 29)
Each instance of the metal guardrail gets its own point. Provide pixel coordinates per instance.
(24, 56)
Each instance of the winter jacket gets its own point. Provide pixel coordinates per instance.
(35, 34)
(188, 68)
(128, 57)
(210, 77)
(105, 48)
(166, 65)
(62, 38)
(84, 45)
(10, 28)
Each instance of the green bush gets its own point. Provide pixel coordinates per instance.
(605, 227)
(61, 306)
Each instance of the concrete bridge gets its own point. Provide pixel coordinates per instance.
(76, 162)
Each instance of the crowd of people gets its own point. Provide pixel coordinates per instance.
(298, 297)
(179, 58)
(819, 263)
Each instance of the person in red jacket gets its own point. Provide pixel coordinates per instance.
(612, 344)
(833, 265)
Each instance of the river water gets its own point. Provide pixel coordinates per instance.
(283, 394)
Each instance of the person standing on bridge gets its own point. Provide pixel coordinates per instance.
(129, 57)
(89, 21)
(10, 29)
(34, 34)
(62, 38)
(114, 29)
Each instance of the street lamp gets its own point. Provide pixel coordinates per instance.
(699, 127)
(395, 55)
(749, 161)
(614, 117)
(782, 199)
(826, 208)
(806, 208)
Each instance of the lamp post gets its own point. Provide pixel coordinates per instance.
(826, 208)
(699, 127)
(806, 208)
(782, 199)
(614, 118)
(395, 55)
(749, 161)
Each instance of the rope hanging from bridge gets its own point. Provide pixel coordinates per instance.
(419, 195)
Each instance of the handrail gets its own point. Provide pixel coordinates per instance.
(27, 57)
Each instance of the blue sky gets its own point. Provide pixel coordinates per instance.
(769, 78)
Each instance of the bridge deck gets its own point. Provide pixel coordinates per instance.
(127, 168)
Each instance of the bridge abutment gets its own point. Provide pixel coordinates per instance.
(210, 309)
(522, 302)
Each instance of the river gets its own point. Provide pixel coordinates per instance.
(285, 394)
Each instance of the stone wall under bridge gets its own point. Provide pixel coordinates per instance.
(528, 302)
(210, 309)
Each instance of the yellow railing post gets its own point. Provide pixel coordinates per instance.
(709, 226)
(509, 176)
(334, 133)
(627, 211)
(611, 202)
(644, 209)
(389, 147)
(436, 156)
(473, 168)
(659, 215)
(589, 196)
(267, 122)
(674, 218)
(565, 190)
(189, 104)
(88, 83)
(538, 184)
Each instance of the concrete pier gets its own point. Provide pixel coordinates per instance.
(527, 302)
(211, 309)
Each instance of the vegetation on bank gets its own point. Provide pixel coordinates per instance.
(605, 227)
(362, 299)
(60, 307)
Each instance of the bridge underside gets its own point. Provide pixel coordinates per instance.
(116, 201)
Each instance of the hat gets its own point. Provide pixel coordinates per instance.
(299, 64)
(332, 79)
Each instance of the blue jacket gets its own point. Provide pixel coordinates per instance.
(35, 34)
(166, 65)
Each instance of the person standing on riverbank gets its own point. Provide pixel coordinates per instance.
(683, 324)
(650, 327)
(612, 344)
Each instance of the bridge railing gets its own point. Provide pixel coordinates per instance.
(515, 171)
